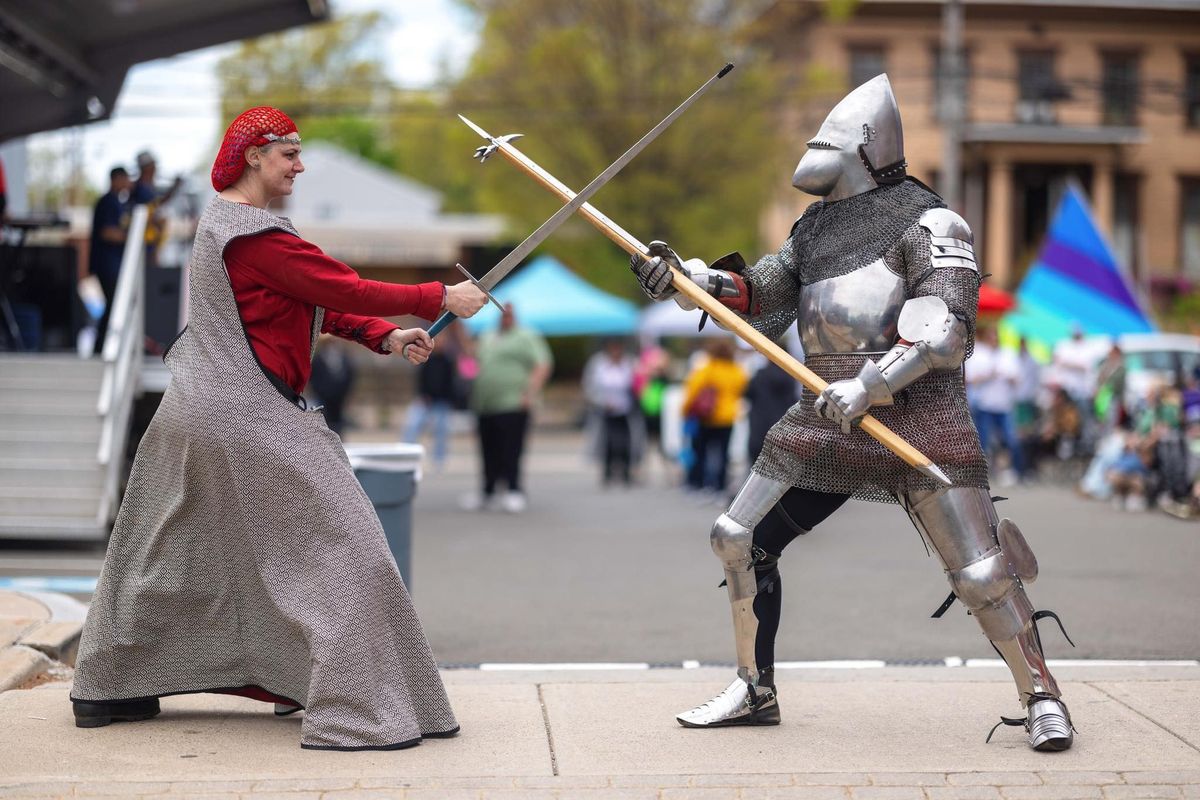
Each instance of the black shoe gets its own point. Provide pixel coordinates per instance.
(97, 715)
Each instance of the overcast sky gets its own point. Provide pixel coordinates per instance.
(170, 106)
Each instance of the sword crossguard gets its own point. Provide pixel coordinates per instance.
(480, 286)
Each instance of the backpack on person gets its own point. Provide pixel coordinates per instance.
(703, 404)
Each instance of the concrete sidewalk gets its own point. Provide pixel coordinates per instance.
(39, 631)
(889, 733)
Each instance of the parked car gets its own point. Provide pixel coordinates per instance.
(1152, 359)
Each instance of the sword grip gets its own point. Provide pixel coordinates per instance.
(441, 323)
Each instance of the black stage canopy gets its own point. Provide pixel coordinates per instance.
(62, 62)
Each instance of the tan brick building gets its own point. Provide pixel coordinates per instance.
(1105, 92)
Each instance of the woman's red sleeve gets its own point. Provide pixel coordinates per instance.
(298, 269)
(367, 331)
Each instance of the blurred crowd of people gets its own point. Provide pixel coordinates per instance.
(1074, 421)
(110, 228)
(631, 399)
(498, 378)
(1078, 420)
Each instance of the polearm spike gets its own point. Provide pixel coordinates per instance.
(723, 315)
(484, 152)
(510, 261)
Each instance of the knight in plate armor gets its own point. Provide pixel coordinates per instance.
(882, 279)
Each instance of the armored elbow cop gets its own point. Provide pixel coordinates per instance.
(931, 338)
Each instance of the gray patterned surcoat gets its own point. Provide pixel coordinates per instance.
(844, 273)
(246, 553)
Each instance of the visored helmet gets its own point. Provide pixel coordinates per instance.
(865, 124)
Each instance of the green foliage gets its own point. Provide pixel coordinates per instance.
(429, 144)
(352, 134)
(1184, 314)
(586, 81)
(329, 78)
(840, 10)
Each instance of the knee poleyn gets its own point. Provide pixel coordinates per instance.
(731, 541)
(984, 583)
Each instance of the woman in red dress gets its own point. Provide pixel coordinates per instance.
(246, 558)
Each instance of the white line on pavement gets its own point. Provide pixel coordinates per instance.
(562, 667)
(952, 662)
(1092, 662)
(857, 664)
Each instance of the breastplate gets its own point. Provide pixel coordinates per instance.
(852, 313)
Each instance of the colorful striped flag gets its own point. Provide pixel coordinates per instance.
(1075, 281)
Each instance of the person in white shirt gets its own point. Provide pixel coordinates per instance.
(1074, 366)
(992, 378)
(608, 385)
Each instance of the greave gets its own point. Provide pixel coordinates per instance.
(743, 587)
(960, 524)
(1024, 657)
(732, 541)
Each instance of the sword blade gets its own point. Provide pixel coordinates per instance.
(509, 262)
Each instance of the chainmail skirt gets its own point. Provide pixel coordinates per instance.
(810, 452)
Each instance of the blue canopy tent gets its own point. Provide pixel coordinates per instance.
(1075, 280)
(554, 301)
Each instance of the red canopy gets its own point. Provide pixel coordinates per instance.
(993, 300)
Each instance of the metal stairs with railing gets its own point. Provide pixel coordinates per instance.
(51, 483)
(64, 421)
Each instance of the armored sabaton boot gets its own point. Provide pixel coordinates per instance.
(988, 562)
(740, 704)
(1049, 724)
(1047, 720)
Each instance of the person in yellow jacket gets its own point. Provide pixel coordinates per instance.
(712, 397)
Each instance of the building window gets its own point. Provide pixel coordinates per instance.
(866, 61)
(939, 85)
(1039, 88)
(1190, 229)
(1126, 218)
(1119, 88)
(1191, 98)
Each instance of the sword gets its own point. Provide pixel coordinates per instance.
(724, 316)
(498, 272)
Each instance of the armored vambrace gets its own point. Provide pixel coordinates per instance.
(931, 338)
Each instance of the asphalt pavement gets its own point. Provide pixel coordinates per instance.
(588, 574)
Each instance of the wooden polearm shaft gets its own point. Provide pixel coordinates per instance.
(723, 315)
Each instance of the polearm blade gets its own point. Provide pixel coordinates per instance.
(729, 320)
(498, 272)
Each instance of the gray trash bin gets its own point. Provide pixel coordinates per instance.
(389, 473)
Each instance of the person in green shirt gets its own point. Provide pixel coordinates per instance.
(514, 363)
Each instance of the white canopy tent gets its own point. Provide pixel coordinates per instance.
(662, 320)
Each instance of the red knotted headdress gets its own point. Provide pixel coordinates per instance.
(256, 126)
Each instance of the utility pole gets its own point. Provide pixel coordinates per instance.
(953, 102)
